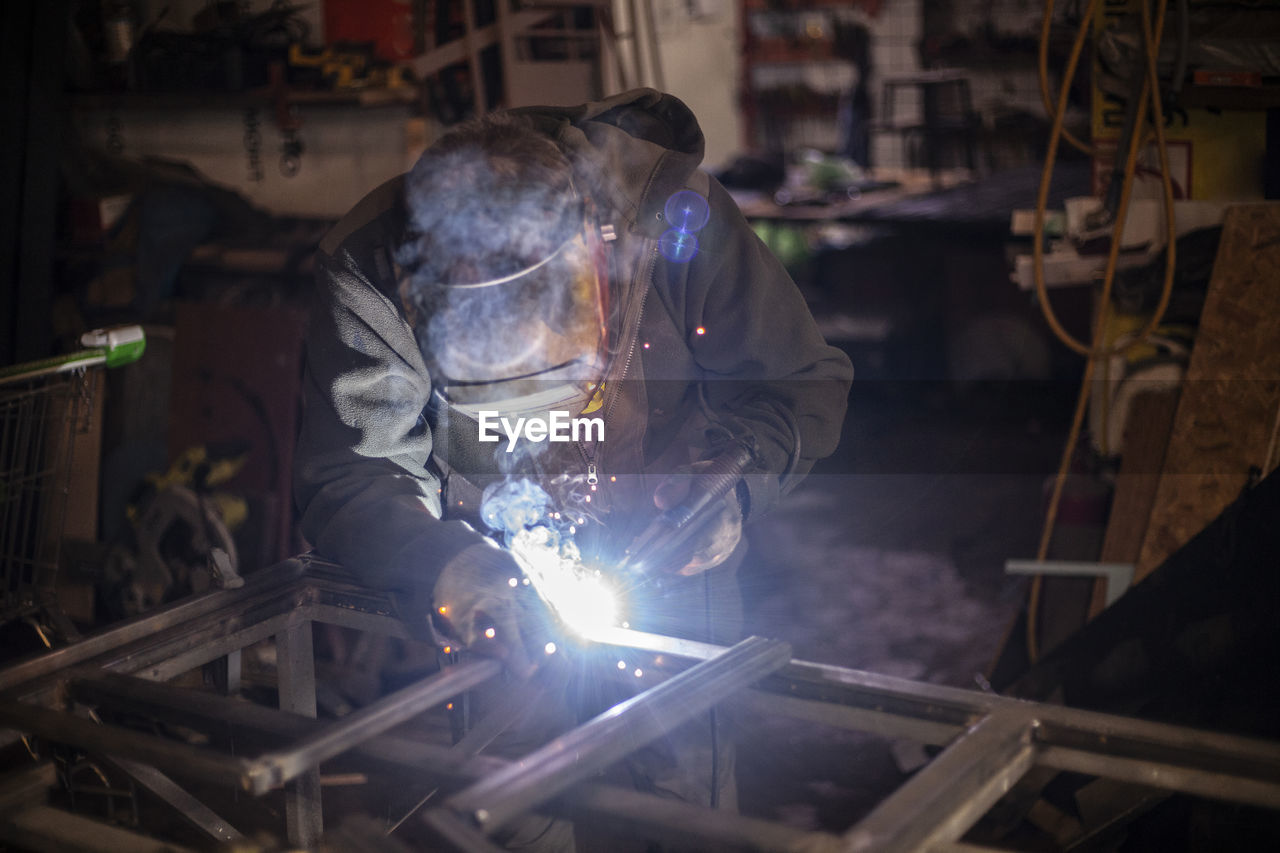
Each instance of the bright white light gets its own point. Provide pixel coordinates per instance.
(512, 582)
(549, 648)
(582, 601)
(622, 664)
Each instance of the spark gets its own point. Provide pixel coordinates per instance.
(701, 330)
(443, 609)
(646, 344)
(613, 479)
(490, 633)
(448, 650)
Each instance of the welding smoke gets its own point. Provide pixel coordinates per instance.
(514, 505)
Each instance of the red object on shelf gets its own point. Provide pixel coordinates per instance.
(386, 23)
(1209, 77)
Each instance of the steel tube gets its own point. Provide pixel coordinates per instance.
(1160, 743)
(1201, 783)
(47, 828)
(275, 768)
(665, 819)
(457, 834)
(622, 729)
(360, 620)
(949, 706)
(949, 794)
(179, 614)
(214, 644)
(180, 800)
(173, 756)
(936, 705)
(296, 686)
(176, 648)
(852, 718)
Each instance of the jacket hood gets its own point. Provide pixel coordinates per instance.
(635, 149)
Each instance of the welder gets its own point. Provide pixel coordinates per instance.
(557, 260)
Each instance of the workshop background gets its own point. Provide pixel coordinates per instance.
(1041, 414)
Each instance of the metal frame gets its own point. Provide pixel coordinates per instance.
(991, 742)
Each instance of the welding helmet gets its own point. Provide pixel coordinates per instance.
(544, 321)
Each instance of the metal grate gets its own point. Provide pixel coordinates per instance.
(39, 419)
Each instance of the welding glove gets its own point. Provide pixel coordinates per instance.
(714, 542)
(479, 602)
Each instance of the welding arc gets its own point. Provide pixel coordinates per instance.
(1150, 91)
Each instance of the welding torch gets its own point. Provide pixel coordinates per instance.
(659, 545)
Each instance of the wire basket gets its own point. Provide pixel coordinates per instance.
(39, 419)
(44, 405)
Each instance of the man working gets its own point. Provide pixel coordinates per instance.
(536, 272)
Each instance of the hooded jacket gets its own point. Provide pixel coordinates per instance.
(721, 344)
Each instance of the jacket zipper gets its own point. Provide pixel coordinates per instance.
(593, 474)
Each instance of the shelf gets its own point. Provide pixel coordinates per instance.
(1231, 97)
(250, 99)
(779, 51)
(871, 7)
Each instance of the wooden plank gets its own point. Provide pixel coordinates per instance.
(1227, 412)
(1146, 440)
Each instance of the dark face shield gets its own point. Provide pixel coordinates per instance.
(544, 322)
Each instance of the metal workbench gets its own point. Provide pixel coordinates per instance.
(990, 742)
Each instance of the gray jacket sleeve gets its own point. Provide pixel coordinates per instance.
(767, 371)
(366, 495)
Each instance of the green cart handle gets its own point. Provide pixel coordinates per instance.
(112, 347)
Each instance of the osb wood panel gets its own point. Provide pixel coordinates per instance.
(1227, 411)
(1146, 441)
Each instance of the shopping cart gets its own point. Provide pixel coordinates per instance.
(44, 405)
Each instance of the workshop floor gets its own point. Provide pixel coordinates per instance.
(889, 558)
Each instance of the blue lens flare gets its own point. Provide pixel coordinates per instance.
(678, 246)
(686, 212)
